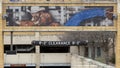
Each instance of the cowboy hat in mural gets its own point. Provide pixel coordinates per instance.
(35, 9)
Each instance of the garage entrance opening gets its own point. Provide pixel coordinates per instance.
(54, 49)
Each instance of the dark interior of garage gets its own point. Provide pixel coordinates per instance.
(54, 49)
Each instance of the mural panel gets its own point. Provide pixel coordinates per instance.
(59, 16)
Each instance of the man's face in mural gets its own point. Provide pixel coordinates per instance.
(109, 13)
(35, 16)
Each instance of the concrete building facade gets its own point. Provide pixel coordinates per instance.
(18, 39)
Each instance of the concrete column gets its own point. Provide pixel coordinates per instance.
(90, 51)
(37, 35)
(74, 49)
(82, 50)
(95, 52)
(78, 50)
(37, 48)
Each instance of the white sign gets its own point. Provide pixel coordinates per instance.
(59, 43)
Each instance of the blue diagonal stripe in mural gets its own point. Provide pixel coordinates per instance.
(79, 17)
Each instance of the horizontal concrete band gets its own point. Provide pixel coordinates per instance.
(42, 64)
(9, 65)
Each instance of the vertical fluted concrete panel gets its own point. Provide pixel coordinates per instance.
(37, 56)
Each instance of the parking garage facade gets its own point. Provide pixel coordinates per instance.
(37, 45)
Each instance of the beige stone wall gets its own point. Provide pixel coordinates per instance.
(1, 45)
(118, 44)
